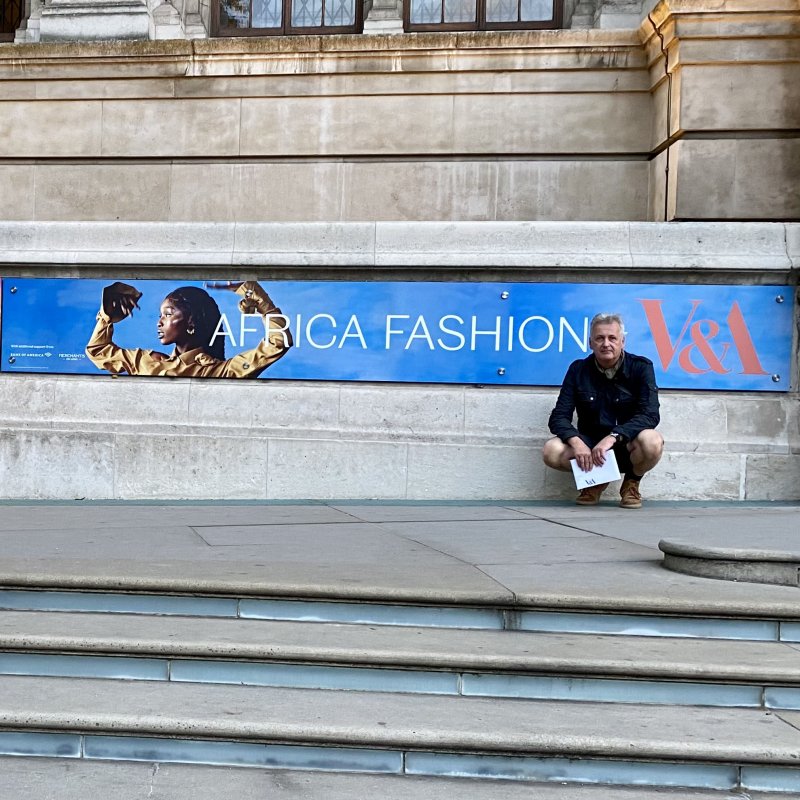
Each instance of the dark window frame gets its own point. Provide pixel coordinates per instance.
(480, 23)
(287, 29)
(12, 12)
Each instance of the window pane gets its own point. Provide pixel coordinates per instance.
(501, 11)
(426, 12)
(306, 13)
(234, 14)
(340, 12)
(459, 10)
(536, 10)
(267, 13)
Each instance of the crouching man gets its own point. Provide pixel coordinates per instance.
(616, 397)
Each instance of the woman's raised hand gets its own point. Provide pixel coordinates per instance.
(119, 300)
(230, 286)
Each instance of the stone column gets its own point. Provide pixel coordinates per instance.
(618, 14)
(385, 16)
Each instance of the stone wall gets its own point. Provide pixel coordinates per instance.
(102, 437)
(436, 127)
(429, 156)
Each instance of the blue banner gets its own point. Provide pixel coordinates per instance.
(698, 337)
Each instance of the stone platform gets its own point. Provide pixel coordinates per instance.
(411, 650)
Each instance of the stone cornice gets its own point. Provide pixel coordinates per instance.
(446, 52)
(664, 251)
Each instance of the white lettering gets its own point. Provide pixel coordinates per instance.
(444, 329)
(243, 329)
(426, 335)
(495, 333)
(582, 343)
(319, 345)
(223, 329)
(550, 336)
(282, 327)
(390, 331)
(357, 334)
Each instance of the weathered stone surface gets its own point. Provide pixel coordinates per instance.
(31, 128)
(689, 422)
(769, 477)
(38, 464)
(69, 779)
(207, 127)
(456, 471)
(325, 469)
(189, 466)
(508, 415)
(107, 403)
(92, 192)
(759, 418)
(405, 412)
(17, 192)
(755, 178)
(707, 477)
(740, 97)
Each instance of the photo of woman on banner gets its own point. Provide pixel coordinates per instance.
(189, 320)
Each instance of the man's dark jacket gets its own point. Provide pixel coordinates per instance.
(626, 403)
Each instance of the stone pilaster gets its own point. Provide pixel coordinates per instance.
(725, 82)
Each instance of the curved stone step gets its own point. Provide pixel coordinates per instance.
(402, 734)
(738, 556)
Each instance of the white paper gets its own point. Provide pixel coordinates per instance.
(596, 475)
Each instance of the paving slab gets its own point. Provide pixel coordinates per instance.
(85, 515)
(99, 543)
(640, 586)
(268, 576)
(694, 525)
(433, 648)
(71, 779)
(553, 556)
(417, 512)
(398, 721)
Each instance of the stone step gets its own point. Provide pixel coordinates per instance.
(627, 669)
(401, 734)
(73, 779)
(773, 624)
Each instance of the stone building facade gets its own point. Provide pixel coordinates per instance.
(610, 142)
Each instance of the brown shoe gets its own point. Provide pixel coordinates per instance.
(590, 496)
(629, 494)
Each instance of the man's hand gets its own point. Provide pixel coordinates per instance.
(600, 449)
(581, 452)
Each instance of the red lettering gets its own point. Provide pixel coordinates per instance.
(744, 343)
(658, 327)
(701, 341)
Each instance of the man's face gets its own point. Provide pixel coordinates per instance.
(606, 342)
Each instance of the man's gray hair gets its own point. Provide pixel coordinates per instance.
(607, 319)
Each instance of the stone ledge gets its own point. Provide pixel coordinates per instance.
(754, 250)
